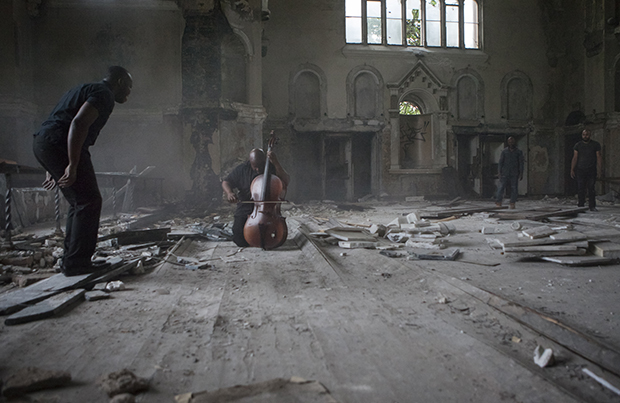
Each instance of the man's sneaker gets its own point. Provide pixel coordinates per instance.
(593, 209)
(498, 204)
(512, 206)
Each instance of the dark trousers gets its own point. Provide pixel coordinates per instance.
(505, 182)
(83, 196)
(586, 179)
(241, 216)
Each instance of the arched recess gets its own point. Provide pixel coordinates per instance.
(516, 95)
(423, 88)
(467, 96)
(616, 80)
(234, 69)
(365, 93)
(308, 92)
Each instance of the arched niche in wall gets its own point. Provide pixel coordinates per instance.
(467, 97)
(365, 93)
(234, 69)
(307, 93)
(418, 142)
(616, 78)
(516, 97)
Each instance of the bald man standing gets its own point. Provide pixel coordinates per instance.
(62, 147)
(241, 179)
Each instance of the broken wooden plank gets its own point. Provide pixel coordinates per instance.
(49, 307)
(17, 300)
(350, 234)
(538, 215)
(274, 391)
(358, 244)
(533, 242)
(538, 232)
(138, 236)
(438, 255)
(541, 249)
(580, 260)
(605, 249)
(20, 299)
(570, 236)
(454, 212)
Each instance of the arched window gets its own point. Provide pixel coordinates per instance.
(307, 96)
(516, 96)
(617, 88)
(409, 108)
(428, 23)
(466, 98)
(365, 85)
(518, 102)
(233, 69)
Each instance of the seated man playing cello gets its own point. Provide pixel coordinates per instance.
(241, 179)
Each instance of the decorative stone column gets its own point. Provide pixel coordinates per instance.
(200, 109)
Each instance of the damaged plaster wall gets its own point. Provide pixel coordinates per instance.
(302, 33)
(74, 42)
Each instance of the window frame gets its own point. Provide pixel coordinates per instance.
(423, 25)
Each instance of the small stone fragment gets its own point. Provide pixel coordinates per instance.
(115, 286)
(124, 398)
(96, 295)
(123, 381)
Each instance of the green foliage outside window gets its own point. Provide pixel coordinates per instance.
(408, 108)
(413, 29)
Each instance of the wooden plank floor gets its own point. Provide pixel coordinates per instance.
(368, 327)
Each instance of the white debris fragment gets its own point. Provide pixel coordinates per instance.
(398, 237)
(115, 286)
(543, 357)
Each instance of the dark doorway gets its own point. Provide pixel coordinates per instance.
(337, 167)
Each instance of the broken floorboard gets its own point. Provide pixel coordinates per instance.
(17, 300)
(51, 306)
(456, 212)
(138, 236)
(274, 391)
(580, 260)
(537, 215)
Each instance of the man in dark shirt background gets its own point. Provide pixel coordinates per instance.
(510, 169)
(241, 179)
(585, 168)
(61, 147)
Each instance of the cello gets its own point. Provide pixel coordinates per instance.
(265, 227)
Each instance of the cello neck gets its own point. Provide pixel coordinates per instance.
(266, 176)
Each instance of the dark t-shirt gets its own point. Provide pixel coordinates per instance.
(241, 179)
(99, 95)
(586, 155)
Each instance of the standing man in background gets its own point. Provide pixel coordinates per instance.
(585, 167)
(510, 169)
(61, 147)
